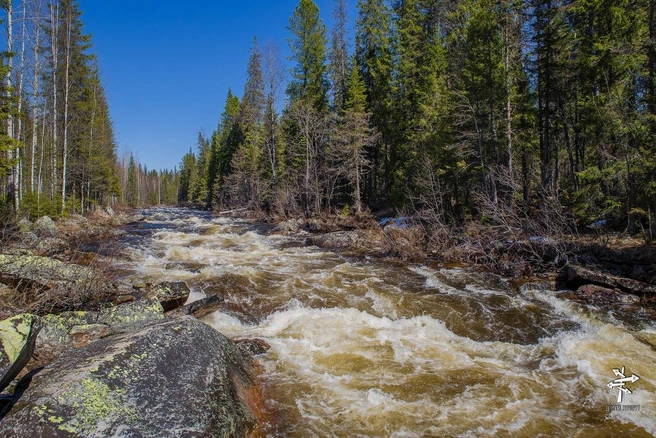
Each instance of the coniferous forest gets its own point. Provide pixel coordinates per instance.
(57, 147)
(537, 114)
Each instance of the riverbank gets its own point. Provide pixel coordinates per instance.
(83, 353)
(620, 268)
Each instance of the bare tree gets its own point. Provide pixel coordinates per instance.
(274, 76)
(312, 133)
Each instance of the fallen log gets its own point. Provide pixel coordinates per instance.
(573, 277)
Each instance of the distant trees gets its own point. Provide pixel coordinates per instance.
(57, 146)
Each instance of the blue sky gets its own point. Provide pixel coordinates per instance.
(167, 65)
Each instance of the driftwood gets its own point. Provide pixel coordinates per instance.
(199, 308)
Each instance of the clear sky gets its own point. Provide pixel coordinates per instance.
(167, 65)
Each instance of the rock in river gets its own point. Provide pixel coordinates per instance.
(170, 295)
(175, 378)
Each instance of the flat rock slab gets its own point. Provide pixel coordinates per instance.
(17, 339)
(24, 272)
(177, 378)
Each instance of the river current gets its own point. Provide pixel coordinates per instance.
(378, 348)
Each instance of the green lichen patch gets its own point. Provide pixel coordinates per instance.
(14, 334)
(128, 369)
(131, 313)
(93, 403)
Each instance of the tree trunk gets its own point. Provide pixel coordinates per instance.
(54, 18)
(67, 88)
(35, 98)
(10, 118)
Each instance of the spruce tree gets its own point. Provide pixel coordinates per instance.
(374, 57)
(354, 132)
(308, 47)
(338, 67)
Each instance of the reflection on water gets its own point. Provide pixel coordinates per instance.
(381, 348)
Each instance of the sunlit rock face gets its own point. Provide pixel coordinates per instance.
(171, 379)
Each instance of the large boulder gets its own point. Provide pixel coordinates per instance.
(17, 339)
(45, 227)
(359, 241)
(176, 378)
(593, 294)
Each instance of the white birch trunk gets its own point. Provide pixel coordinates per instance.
(54, 18)
(67, 87)
(10, 118)
(35, 93)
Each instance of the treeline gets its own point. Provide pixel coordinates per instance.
(57, 145)
(537, 114)
(142, 187)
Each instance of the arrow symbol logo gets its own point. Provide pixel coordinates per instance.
(620, 383)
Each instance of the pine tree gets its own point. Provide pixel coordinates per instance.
(245, 181)
(132, 189)
(198, 187)
(418, 97)
(188, 177)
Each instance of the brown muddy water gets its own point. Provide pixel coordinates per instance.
(378, 348)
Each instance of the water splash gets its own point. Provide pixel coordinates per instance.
(380, 348)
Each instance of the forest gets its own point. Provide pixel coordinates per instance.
(536, 115)
(57, 147)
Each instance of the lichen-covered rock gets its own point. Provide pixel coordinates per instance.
(24, 271)
(17, 340)
(172, 379)
(45, 227)
(50, 245)
(289, 226)
(170, 295)
(132, 313)
(337, 240)
(361, 241)
(25, 225)
(76, 329)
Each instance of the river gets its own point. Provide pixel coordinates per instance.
(380, 348)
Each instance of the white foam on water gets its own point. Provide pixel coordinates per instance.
(348, 360)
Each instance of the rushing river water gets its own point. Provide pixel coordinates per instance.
(376, 348)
